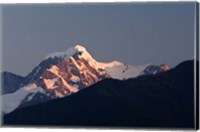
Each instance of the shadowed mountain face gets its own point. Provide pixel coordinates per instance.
(11, 82)
(163, 100)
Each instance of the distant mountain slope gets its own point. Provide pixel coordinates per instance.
(24, 96)
(162, 100)
(11, 82)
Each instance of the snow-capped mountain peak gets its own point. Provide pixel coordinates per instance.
(55, 54)
(80, 47)
(81, 52)
(64, 73)
(77, 50)
(70, 71)
(77, 62)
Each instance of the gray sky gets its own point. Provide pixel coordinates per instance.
(137, 33)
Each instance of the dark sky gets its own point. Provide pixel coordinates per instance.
(137, 33)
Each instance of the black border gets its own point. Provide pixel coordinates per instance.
(197, 66)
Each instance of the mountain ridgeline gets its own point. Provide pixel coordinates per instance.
(62, 74)
(164, 100)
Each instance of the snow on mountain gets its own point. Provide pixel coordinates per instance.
(125, 71)
(65, 73)
(81, 52)
(77, 71)
(75, 79)
(11, 101)
(56, 54)
(61, 74)
(50, 83)
(104, 65)
(69, 52)
(116, 69)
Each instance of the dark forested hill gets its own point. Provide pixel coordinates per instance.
(162, 100)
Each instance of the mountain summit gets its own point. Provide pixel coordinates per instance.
(61, 74)
(77, 70)
(78, 51)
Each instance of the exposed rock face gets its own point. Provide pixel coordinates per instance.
(65, 73)
(70, 75)
(164, 67)
(153, 69)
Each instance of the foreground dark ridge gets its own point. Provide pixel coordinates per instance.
(162, 100)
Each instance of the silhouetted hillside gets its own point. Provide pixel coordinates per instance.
(162, 100)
